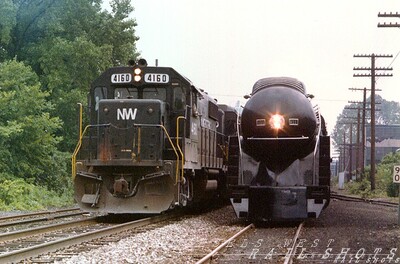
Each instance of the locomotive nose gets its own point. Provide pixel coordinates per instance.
(278, 126)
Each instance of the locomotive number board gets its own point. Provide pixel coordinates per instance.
(156, 78)
(121, 78)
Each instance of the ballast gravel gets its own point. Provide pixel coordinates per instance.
(184, 241)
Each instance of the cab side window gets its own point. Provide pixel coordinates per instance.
(99, 93)
(179, 98)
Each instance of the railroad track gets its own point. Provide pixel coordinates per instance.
(11, 226)
(358, 199)
(292, 251)
(37, 214)
(286, 256)
(210, 256)
(24, 245)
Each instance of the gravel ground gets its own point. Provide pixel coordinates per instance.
(346, 232)
(184, 241)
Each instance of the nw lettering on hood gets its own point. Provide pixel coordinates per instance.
(126, 114)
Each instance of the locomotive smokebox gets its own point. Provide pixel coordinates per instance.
(279, 124)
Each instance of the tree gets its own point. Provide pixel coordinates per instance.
(68, 43)
(67, 77)
(389, 114)
(7, 23)
(385, 174)
(27, 130)
(50, 52)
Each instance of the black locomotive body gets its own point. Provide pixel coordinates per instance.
(283, 154)
(154, 141)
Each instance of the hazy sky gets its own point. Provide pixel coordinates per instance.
(225, 46)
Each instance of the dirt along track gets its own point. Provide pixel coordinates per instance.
(346, 232)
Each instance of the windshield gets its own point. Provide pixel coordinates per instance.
(141, 93)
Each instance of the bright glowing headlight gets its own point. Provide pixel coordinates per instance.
(277, 121)
(137, 78)
(137, 71)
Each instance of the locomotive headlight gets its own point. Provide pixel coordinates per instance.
(137, 74)
(277, 121)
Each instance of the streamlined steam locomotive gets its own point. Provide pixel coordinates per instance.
(154, 141)
(282, 155)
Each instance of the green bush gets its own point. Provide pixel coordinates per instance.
(385, 174)
(21, 195)
(384, 185)
(360, 187)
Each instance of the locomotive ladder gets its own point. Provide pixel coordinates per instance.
(233, 161)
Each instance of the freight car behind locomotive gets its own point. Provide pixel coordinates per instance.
(154, 141)
(283, 154)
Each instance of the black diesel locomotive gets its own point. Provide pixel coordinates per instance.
(154, 141)
(283, 155)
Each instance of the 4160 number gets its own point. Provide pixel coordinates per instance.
(156, 78)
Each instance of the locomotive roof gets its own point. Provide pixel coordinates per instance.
(279, 81)
(105, 76)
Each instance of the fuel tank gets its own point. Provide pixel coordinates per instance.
(278, 122)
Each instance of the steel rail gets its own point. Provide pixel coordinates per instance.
(52, 246)
(215, 251)
(292, 252)
(37, 213)
(358, 199)
(32, 220)
(43, 229)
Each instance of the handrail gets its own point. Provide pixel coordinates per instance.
(278, 138)
(73, 157)
(139, 143)
(80, 119)
(170, 141)
(238, 128)
(318, 116)
(177, 144)
(75, 153)
(78, 147)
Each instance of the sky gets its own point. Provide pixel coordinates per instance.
(225, 46)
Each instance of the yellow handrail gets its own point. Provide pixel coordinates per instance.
(139, 144)
(75, 153)
(177, 178)
(177, 144)
(80, 119)
(73, 158)
(176, 153)
(78, 146)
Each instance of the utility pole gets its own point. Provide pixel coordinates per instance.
(362, 124)
(344, 145)
(373, 74)
(390, 24)
(356, 145)
(358, 142)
